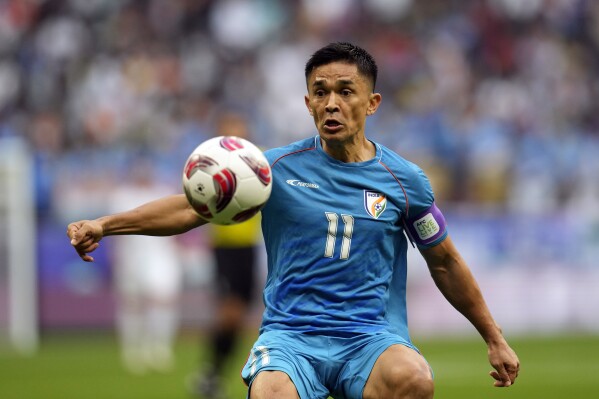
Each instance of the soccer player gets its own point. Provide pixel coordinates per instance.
(335, 230)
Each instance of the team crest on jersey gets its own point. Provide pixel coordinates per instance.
(375, 203)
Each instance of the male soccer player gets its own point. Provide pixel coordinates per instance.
(335, 231)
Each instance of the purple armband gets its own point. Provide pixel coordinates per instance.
(428, 226)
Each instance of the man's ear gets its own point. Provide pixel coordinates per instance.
(373, 103)
(307, 101)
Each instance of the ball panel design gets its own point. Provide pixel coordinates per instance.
(231, 143)
(198, 162)
(225, 185)
(247, 214)
(261, 169)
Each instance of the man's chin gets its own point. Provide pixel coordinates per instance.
(328, 134)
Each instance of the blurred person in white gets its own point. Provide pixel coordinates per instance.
(236, 254)
(147, 279)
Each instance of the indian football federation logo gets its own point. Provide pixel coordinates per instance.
(375, 203)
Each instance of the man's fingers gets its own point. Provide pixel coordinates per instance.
(513, 373)
(501, 379)
(71, 232)
(83, 238)
(75, 239)
(80, 236)
(86, 241)
(87, 258)
(88, 247)
(83, 252)
(84, 249)
(498, 381)
(74, 233)
(505, 364)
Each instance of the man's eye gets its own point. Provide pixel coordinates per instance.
(319, 93)
(346, 92)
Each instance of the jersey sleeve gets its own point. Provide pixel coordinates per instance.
(425, 222)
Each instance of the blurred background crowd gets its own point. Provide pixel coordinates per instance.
(497, 100)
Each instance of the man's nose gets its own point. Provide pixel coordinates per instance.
(332, 103)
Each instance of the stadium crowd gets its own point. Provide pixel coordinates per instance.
(496, 99)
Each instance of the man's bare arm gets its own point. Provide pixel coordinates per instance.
(456, 282)
(166, 216)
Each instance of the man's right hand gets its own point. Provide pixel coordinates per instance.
(85, 236)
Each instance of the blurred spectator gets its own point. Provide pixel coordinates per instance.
(473, 84)
(147, 280)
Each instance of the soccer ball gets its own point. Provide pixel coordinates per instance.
(227, 180)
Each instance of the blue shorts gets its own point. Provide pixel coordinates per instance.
(318, 365)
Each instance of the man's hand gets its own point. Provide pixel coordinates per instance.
(506, 364)
(85, 236)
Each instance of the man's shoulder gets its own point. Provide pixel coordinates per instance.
(397, 163)
(274, 154)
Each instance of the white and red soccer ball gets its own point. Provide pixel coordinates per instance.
(227, 180)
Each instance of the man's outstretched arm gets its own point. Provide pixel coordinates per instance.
(166, 216)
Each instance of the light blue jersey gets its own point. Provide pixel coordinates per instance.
(335, 240)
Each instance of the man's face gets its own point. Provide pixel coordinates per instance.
(339, 99)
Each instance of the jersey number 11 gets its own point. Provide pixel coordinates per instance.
(348, 221)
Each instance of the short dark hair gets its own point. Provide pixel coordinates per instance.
(344, 52)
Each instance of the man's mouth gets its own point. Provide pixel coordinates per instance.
(332, 125)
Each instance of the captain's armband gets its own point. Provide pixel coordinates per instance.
(427, 228)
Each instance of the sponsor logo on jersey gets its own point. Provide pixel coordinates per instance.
(375, 203)
(297, 183)
(426, 226)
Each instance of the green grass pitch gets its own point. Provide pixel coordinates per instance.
(87, 366)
